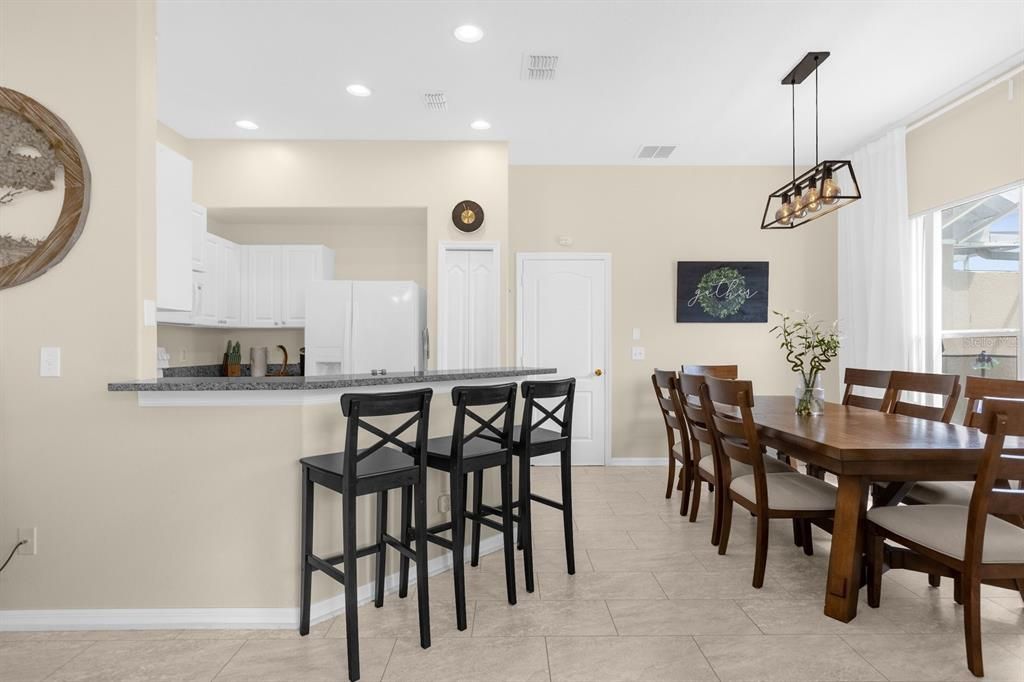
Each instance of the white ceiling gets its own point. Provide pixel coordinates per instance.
(702, 75)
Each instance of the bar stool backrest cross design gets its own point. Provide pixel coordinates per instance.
(486, 428)
(357, 407)
(537, 415)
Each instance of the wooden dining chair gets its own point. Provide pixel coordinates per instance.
(969, 544)
(675, 433)
(865, 378)
(767, 496)
(946, 386)
(703, 447)
(977, 390)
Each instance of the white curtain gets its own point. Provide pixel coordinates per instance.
(884, 314)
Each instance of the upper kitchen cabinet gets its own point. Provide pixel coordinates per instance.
(198, 222)
(277, 278)
(227, 276)
(174, 231)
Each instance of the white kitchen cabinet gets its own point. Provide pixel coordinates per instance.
(263, 278)
(278, 277)
(174, 251)
(198, 223)
(228, 277)
(301, 265)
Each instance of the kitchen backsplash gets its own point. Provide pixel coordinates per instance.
(192, 346)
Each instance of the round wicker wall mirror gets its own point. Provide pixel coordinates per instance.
(37, 152)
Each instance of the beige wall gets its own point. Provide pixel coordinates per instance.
(971, 149)
(649, 218)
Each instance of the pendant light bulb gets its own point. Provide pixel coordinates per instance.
(812, 198)
(797, 206)
(785, 214)
(830, 189)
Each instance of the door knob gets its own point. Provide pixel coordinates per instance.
(598, 372)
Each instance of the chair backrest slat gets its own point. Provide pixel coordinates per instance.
(720, 371)
(730, 403)
(865, 378)
(665, 389)
(979, 389)
(693, 412)
(357, 407)
(1000, 419)
(946, 386)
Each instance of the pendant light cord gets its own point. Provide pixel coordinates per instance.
(793, 111)
(815, 111)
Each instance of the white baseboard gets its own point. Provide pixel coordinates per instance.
(199, 618)
(638, 461)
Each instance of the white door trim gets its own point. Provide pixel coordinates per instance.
(443, 247)
(521, 259)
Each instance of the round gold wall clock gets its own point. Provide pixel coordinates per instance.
(34, 145)
(468, 216)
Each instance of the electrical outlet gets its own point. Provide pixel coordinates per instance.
(638, 352)
(30, 546)
(444, 503)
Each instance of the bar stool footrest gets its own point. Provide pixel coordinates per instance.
(548, 501)
(392, 541)
(321, 565)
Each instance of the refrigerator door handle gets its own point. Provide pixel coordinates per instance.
(426, 344)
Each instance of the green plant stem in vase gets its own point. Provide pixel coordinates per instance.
(809, 349)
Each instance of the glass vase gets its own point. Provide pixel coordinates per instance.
(810, 397)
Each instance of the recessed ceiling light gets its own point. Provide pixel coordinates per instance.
(468, 33)
(246, 125)
(359, 90)
(480, 124)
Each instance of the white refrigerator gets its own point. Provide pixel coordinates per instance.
(355, 327)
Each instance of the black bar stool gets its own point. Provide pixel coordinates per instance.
(534, 441)
(391, 462)
(470, 450)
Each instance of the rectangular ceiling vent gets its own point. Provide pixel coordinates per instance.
(435, 101)
(539, 67)
(655, 151)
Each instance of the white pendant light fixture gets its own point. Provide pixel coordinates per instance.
(818, 191)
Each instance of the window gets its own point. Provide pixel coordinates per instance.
(979, 272)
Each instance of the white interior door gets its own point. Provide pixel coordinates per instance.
(563, 322)
(468, 305)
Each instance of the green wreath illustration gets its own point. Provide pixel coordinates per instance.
(720, 292)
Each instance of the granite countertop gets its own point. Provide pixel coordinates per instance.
(296, 383)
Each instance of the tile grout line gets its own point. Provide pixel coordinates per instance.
(710, 664)
(391, 653)
(67, 662)
(547, 657)
(609, 610)
(862, 657)
(230, 658)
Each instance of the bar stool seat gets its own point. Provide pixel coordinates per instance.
(439, 451)
(542, 441)
(384, 461)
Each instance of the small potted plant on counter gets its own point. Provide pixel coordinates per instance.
(233, 360)
(809, 349)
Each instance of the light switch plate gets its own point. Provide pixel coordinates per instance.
(638, 352)
(636, 333)
(49, 361)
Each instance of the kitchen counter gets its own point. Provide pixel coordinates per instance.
(202, 390)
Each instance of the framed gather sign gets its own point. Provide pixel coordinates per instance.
(718, 291)
(38, 151)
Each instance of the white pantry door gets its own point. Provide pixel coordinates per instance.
(563, 322)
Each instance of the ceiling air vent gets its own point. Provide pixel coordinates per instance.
(539, 67)
(435, 101)
(655, 151)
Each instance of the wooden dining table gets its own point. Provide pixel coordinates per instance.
(861, 447)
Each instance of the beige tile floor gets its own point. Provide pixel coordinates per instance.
(651, 600)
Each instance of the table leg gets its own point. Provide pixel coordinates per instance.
(844, 564)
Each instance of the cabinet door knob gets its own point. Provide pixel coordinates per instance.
(598, 372)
